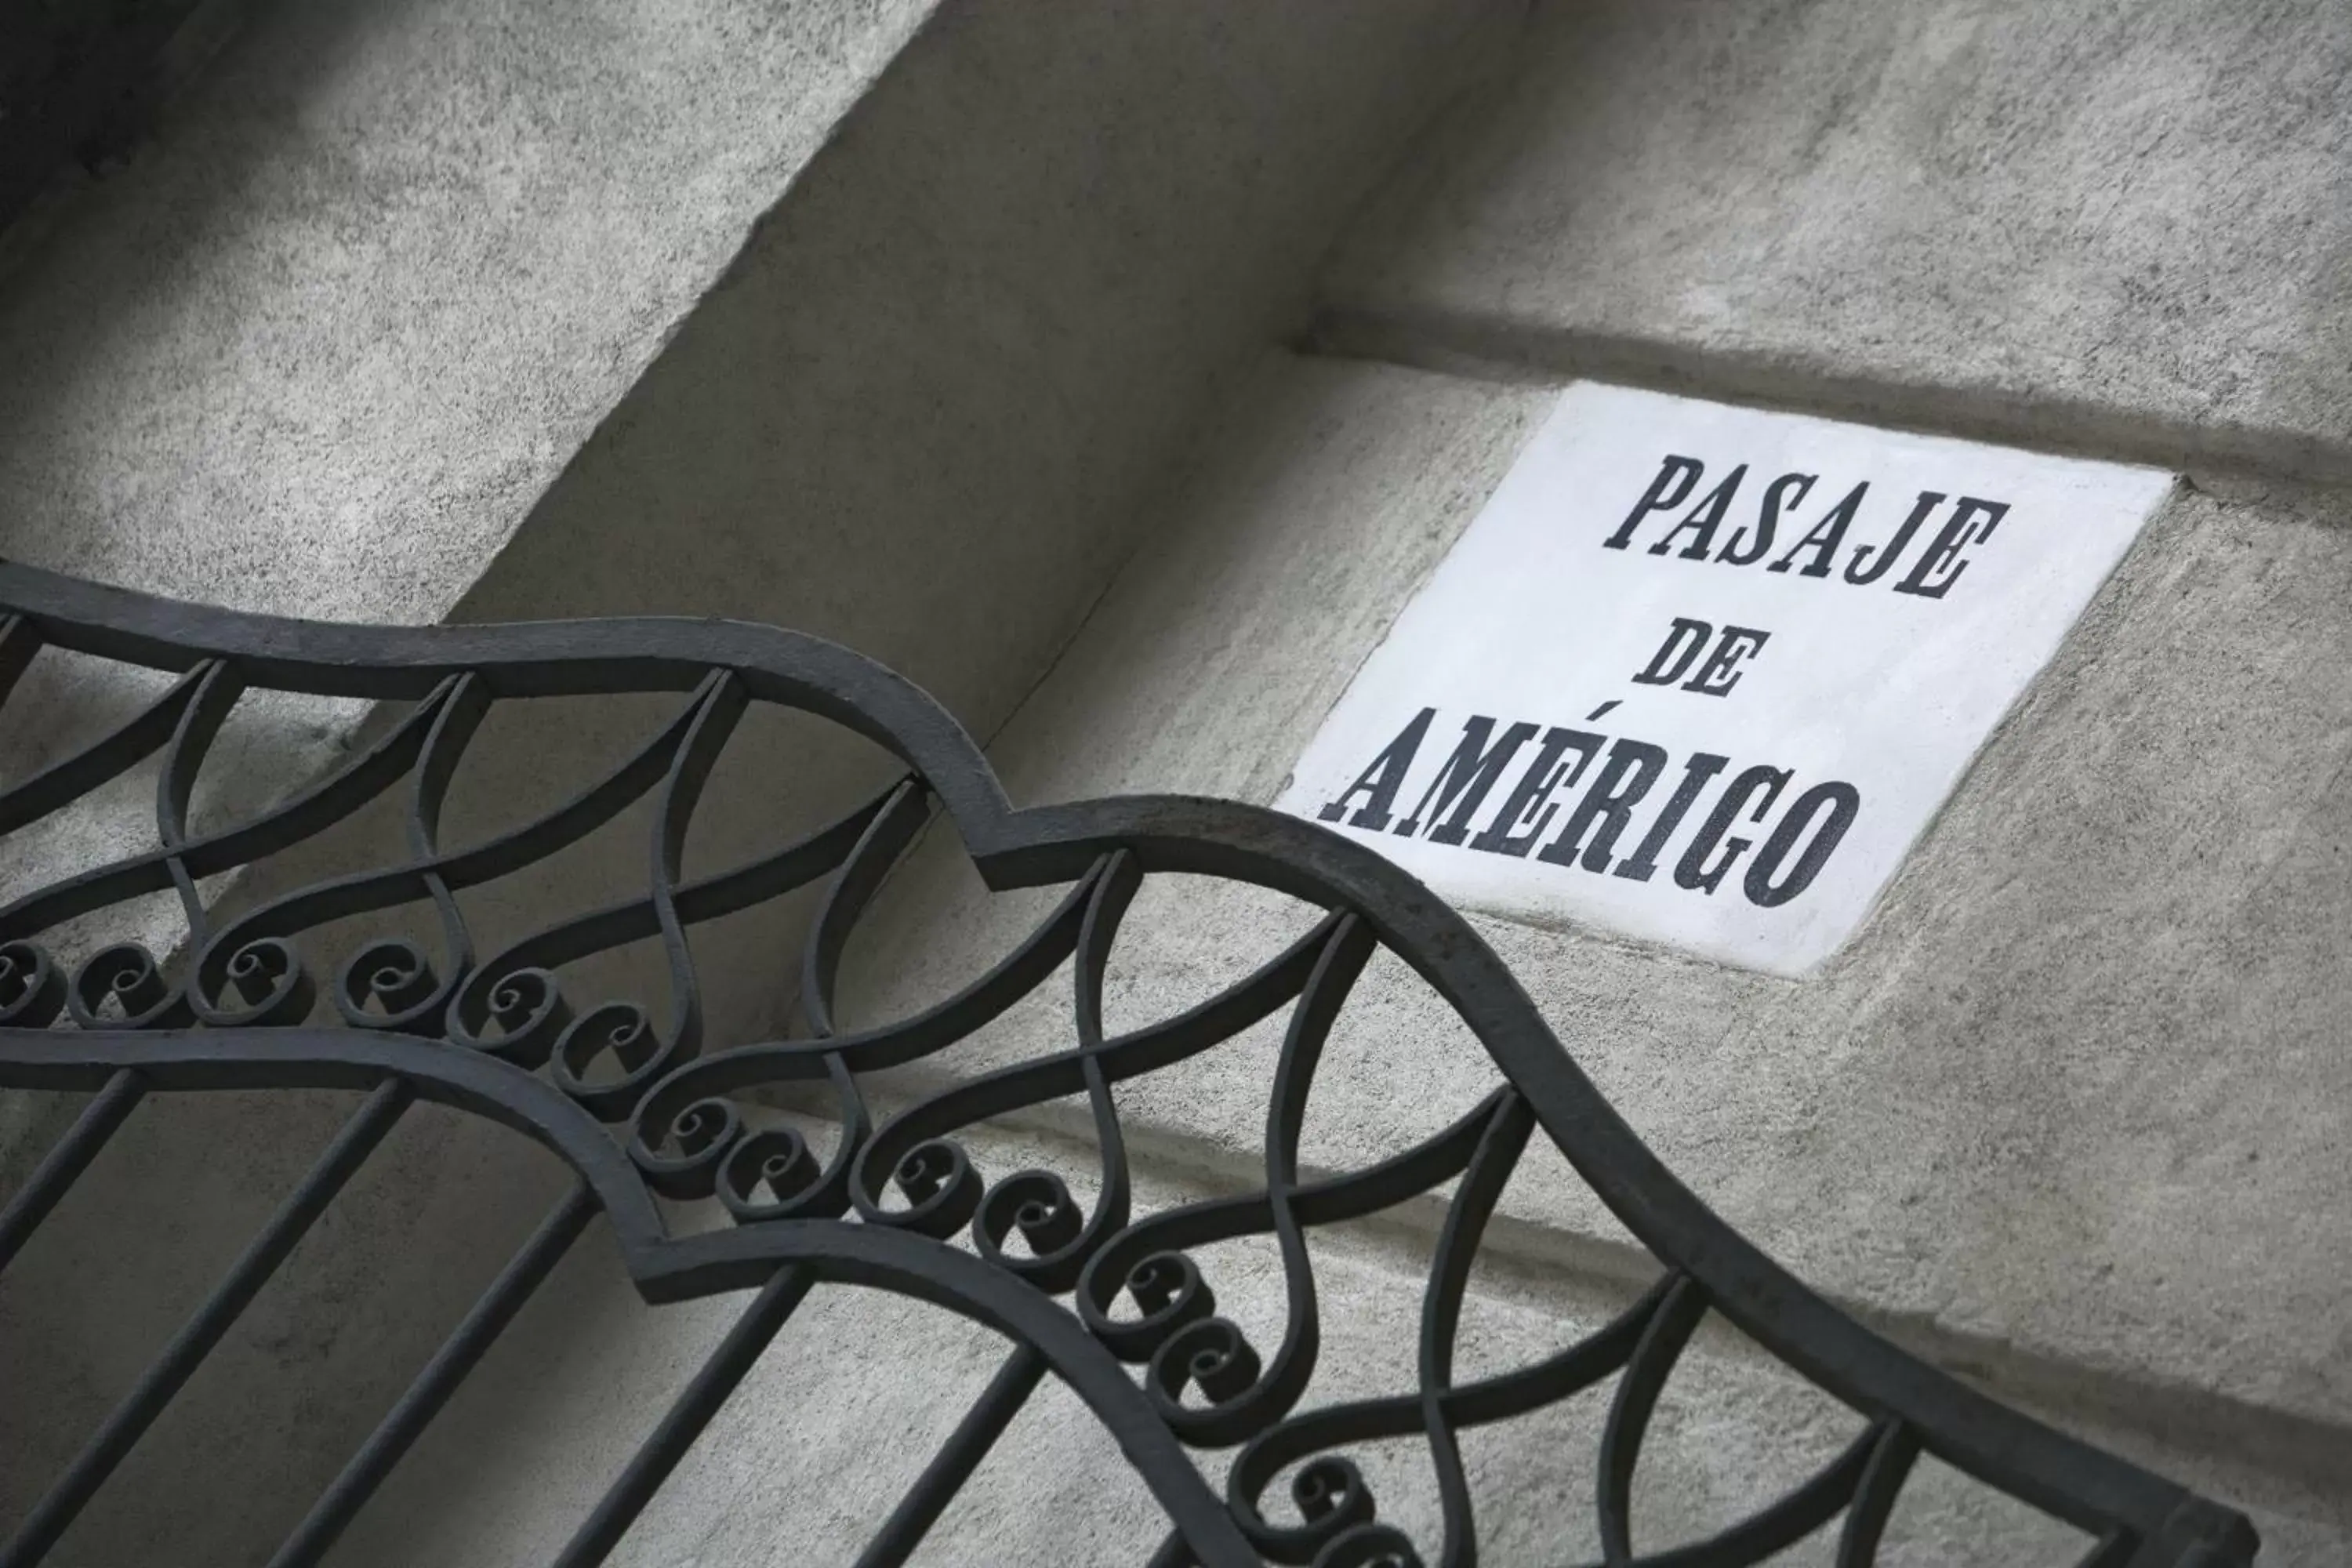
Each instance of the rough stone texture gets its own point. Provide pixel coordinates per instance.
(917, 414)
(920, 414)
(2114, 226)
(320, 344)
(315, 349)
(238, 1458)
(923, 412)
(861, 1388)
(2068, 1115)
(324, 344)
(2068, 1112)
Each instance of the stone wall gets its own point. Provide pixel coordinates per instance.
(879, 321)
(2067, 1116)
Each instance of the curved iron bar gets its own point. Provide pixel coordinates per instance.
(1203, 1384)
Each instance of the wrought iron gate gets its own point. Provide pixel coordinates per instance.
(1106, 1299)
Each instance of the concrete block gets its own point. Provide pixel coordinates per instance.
(860, 1389)
(318, 345)
(336, 344)
(2067, 1113)
(234, 1463)
(2109, 226)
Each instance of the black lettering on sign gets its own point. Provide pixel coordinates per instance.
(1858, 572)
(1703, 520)
(1643, 862)
(1379, 781)
(1931, 575)
(1696, 871)
(1959, 532)
(1787, 490)
(1608, 805)
(1799, 842)
(1683, 644)
(1686, 640)
(1824, 537)
(1468, 774)
(1545, 775)
(1842, 802)
(1674, 480)
(1718, 675)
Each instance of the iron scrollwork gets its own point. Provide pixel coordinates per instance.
(1114, 1303)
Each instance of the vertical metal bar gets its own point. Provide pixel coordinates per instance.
(1174, 1552)
(467, 1344)
(1892, 1455)
(966, 1446)
(63, 1166)
(196, 1338)
(686, 1416)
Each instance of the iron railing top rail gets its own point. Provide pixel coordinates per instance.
(492, 1037)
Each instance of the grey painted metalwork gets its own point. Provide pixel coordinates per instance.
(1110, 1301)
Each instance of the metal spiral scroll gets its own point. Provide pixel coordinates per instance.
(1113, 1302)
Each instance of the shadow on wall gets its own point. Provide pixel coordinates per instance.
(323, 341)
(924, 414)
(145, 1234)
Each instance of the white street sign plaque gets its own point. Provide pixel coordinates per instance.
(1702, 675)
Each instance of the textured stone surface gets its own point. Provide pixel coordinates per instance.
(920, 414)
(917, 414)
(861, 1388)
(2070, 1112)
(2118, 227)
(320, 344)
(324, 348)
(315, 350)
(238, 1458)
(924, 412)
(2067, 1111)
